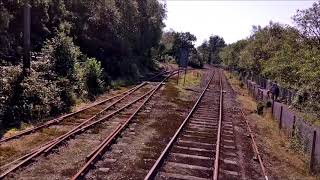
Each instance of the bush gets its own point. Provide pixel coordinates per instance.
(260, 107)
(241, 84)
(9, 75)
(93, 77)
(63, 55)
(26, 98)
(56, 79)
(269, 104)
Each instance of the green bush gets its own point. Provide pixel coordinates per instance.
(241, 84)
(63, 55)
(260, 106)
(93, 77)
(55, 81)
(269, 104)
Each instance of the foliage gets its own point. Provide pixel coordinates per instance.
(120, 36)
(288, 55)
(93, 77)
(172, 42)
(209, 50)
(308, 22)
(260, 106)
(110, 31)
(55, 80)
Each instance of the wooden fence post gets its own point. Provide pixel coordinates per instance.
(280, 120)
(312, 158)
(293, 126)
(272, 110)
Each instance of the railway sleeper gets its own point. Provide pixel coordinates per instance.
(187, 169)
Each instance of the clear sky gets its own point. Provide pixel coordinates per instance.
(232, 20)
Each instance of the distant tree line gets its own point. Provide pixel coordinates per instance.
(207, 52)
(286, 54)
(78, 47)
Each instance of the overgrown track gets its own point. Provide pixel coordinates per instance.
(87, 109)
(97, 153)
(119, 108)
(204, 146)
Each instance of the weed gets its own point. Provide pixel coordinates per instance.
(260, 106)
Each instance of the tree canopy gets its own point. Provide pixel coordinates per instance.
(209, 50)
(286, 54)
(77, 47)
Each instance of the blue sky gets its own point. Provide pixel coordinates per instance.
(232, 20)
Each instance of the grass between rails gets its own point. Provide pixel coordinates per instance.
(281, 155)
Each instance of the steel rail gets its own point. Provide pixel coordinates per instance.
(97, 152)
(160, 74)
(255, 147)
(78, 126)
(54, 143)
(59, 140)
(217, 158)
(59, 119)
(153, 171)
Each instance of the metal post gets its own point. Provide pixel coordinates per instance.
(312, 159)
(280, 121)
(26, 38)
(293, 126)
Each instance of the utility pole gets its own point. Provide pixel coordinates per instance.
(26, 38)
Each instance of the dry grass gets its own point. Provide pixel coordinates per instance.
(281, 161)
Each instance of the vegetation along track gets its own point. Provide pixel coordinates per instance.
(89, 109)
(94, 127)
(204, 146)
(20, 144)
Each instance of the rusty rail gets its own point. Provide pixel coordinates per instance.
(100, 149)
(217, 157)
(49, 146)
(127, 93)
(153, 171)
(61, 118)
(255, 147)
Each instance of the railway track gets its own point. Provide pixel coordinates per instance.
(203, 147)
(91, 108)
(37, 137)
(118, 112)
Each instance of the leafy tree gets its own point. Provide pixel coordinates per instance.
(284, 54)
(308, 21)
(209, 50)
(230, 55)
(182, 40)
(204, 51)
(215, 43)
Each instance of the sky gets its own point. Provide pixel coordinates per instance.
(232, 20)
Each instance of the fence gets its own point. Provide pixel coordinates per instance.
(289, 122)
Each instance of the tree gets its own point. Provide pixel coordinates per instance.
(204, 51)
(215, 43)
(230, 55)
(209, 50)
(308, 21)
